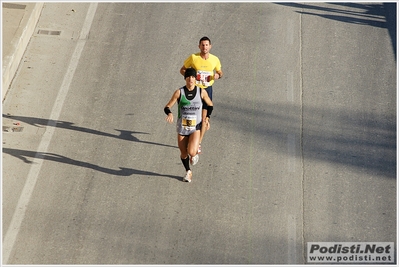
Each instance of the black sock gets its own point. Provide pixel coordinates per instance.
(186, 163)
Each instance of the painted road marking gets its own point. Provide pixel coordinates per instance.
(24, 199)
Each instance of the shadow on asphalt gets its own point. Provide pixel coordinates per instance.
(24, 155)
(123, 134)
(382, 15)
(364, 140)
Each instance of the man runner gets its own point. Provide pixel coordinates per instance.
(208, 69)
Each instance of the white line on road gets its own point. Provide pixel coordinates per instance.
(24, 199)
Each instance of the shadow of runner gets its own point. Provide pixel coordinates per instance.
(123, 134)
(24, 155)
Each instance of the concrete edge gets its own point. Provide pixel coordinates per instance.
(19, 44)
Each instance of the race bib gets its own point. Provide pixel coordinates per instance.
(204, 77)
(189, 122)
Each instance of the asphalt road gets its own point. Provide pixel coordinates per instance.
(302, 145)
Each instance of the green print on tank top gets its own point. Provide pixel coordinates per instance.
(183, 102)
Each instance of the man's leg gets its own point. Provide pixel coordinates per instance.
(205, 126)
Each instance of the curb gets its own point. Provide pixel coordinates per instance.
(19, 43)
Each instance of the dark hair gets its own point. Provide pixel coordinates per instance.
(205, 39)
(190, 72)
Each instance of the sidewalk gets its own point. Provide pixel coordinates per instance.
(19, 22)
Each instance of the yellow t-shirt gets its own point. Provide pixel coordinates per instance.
(205, 68)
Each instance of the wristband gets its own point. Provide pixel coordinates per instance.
(209, 111)
(167, 110)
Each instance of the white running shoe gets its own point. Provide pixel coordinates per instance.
(188, 176)
(194, 160)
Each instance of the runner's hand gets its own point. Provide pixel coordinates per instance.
(169, 118)
(207, 124)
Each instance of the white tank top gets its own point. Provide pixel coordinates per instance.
(189, 112)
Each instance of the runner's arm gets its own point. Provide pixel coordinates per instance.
(188, 62)
(172, 101)
(183, 70)
(219, 74)
(208, 101)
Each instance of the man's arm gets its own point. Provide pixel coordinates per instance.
(218, 74)
(206, 98)
(218, 69)
(183, 70)
(188, 62)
